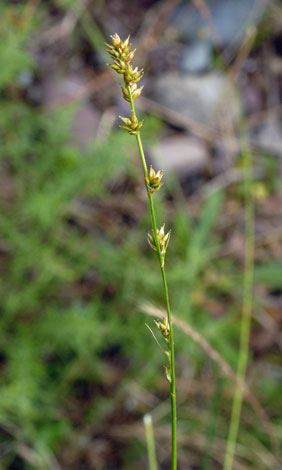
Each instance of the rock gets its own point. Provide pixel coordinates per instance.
(207, 99)
(196, 57)
(86, 122)
(229, 18)
(58, 90)
(182, 155)
(269, 137)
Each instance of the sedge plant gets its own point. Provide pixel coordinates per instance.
(158, 239)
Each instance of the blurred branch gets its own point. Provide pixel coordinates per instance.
(158, 18)
(221, 362)
(199, 443)
(206, 133)
(66, 26)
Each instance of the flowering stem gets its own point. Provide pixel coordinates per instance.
(122, 55)
(160, 257)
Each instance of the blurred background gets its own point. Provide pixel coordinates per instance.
(79, 367)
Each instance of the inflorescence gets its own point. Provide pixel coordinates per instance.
(121, 52)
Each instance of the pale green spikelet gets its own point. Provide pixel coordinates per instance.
(132, 125)
(163, 239)
(153, 180)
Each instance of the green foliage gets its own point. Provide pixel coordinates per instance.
(269, 274)
(14, 33)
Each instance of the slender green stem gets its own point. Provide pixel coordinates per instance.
(150, 442)
(171, 343)
(246, 308)
(172, 382)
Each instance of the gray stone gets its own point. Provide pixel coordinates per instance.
(269, 137)
(207, 99)
(196, 57)
(58, 90)
(86, 122)
(182, 155)
(229, 18)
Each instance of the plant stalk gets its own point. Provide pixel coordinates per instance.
(148, 423)
(246, 307)
(171, 343)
